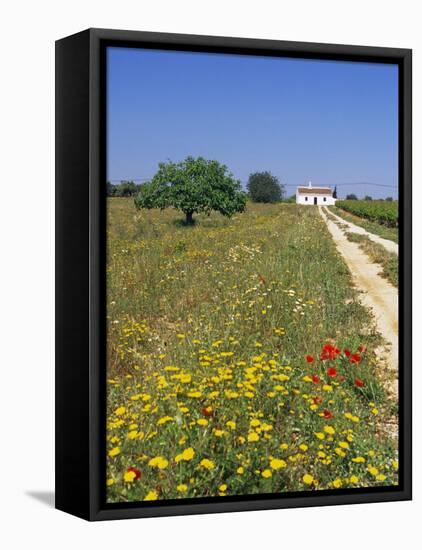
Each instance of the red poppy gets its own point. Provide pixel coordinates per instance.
(329, 352)
(355, 358)
(347, 352)
(207, 411)
(309, 358)
(332, 372)
(135, 471)
(362, 348)
(316, 379)
(327, 414)
(317, 400)
(359, 383)
(341, 378)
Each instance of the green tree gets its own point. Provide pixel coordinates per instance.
(111, 189)
(389, 199)
(335, 192)
(351, 197)
(193, 186)
(367, 198)
(126, 189)
(264, 187)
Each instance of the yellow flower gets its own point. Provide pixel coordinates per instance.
(277, 463)
(152, 495)
(381, 477)
(218, 433)
(129, 477)
(159, 462)
(319, 435)
(255, 422)
(110, 482)
(207, 464)
(182, 488)
(187, 454)
(252, 437)
(327, 387)
(358, 459)
(395, 464)
(375, 411)
(223, 488)
(266, 473)
(231, 424)
(119, 411)
(284, 446)
(303, 447)
(194, 394)
(240, 470)
(114, 451)
(337, 483)
(308, 479)
(354, 479)
(343, 444)
(307, 379)
(329, 430)
(266, 427)
(202, 421)
(373, 471)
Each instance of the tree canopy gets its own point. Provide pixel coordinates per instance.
(122, 189)
(264, 187)
(351, 197)
(195, 185)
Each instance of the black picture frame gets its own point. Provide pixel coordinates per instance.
(80, 271)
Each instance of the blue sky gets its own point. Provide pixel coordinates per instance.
(329, 122)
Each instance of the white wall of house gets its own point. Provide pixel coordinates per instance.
(309, 199)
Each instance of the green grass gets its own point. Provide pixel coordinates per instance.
(378, 255)
(391, 233)
(212, 323)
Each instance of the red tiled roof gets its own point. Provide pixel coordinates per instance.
(315, 190)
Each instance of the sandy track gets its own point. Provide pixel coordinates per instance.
(376, 293)
(388, 245)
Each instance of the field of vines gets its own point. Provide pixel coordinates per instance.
(383, 212)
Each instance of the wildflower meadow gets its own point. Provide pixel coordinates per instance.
(239, 359)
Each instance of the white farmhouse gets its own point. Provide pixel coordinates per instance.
(315, 195)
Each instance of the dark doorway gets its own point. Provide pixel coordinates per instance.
(315, 200)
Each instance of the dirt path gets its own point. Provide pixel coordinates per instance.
(388, 245)
(376, 293)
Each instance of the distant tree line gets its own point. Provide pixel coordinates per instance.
(123, 189)
(353, 197)
(261, 187)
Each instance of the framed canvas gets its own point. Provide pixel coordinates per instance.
(233, 274)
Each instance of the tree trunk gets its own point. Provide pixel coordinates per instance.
(189, 217)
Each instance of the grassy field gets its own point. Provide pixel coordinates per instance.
(239, 359)
(388, 261)
(391, 233)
